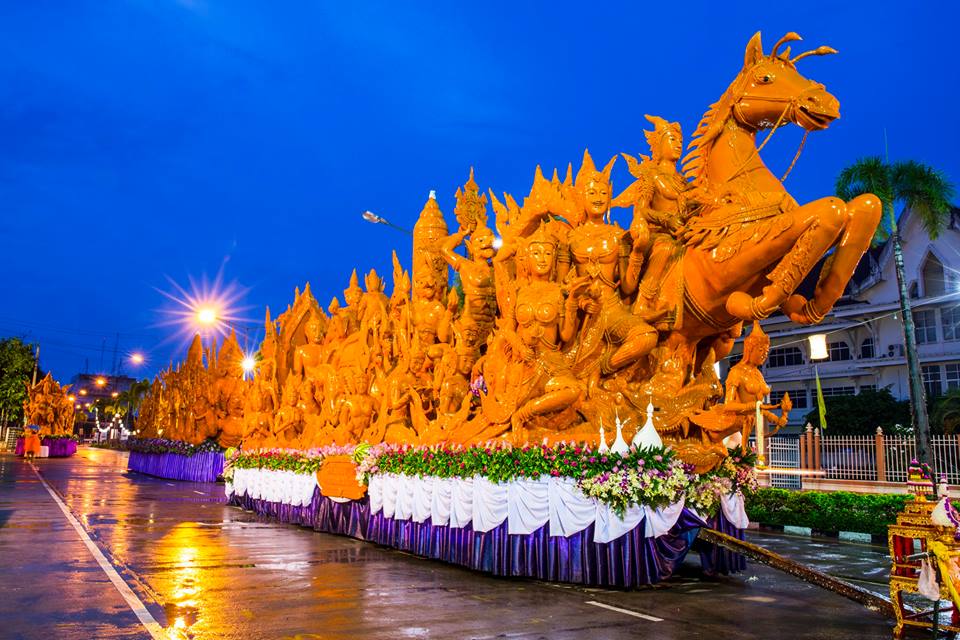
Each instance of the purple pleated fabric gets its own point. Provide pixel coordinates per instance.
(716, 560)
(59, 447)
(200, 467)
(629, 561)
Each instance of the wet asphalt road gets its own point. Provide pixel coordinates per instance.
(205, 570)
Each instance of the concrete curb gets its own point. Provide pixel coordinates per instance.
(843, 536)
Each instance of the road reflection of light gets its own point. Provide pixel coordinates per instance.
(185, 585)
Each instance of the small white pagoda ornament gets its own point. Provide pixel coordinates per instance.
(647, 437)
(620, 445)
(603, 448)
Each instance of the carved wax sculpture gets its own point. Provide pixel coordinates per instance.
(575, 319)
(48, 407)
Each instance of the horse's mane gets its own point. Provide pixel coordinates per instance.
(710, 126)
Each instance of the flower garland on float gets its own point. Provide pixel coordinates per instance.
(650, 476)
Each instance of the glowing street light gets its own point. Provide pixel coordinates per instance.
(249, 363)
(83, 392)
(101, 381)
(136, 358)
(818, 346)
(207, 316)
(114, 394)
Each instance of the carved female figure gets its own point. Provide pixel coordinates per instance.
(746, 386)
(526, 373)
(611, 336)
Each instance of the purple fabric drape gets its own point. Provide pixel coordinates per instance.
(59, 447)
(716, 560)
(629, 561)
(200, 467)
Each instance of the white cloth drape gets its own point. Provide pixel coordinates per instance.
(735, 510)
(286, 487)
(526, 505)
(570, 510)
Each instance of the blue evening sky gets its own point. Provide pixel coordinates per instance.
(141, 141)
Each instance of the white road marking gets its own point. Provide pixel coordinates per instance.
(635, 614)
(199, 493)
(146, 619)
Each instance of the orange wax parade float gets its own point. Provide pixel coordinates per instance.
(48, 411)
(572, 325)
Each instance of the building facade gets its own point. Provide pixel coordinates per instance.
(864, 331)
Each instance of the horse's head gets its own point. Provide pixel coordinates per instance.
(769, 89)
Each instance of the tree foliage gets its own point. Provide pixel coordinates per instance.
(863, 413)
(946, 412)
(926, 191)
(16, 370)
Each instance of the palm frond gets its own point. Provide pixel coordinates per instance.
(866, 175)
(926, 191)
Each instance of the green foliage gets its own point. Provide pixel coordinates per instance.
(826, 511)
(924, 190)
(863, 413)
(16, 370)
(946, 413)
(297, 462)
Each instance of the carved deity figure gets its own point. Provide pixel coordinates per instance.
(229, 392)
(526, 373)
(289, 418)
(659, 200)
(475, 270)
(746, 387)
(308, 356)
(611, 336)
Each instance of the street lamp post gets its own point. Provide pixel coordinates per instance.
(373, 218)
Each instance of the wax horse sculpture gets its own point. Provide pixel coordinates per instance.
(574, 320)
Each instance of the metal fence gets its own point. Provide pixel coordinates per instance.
(783, 452)
(876, 458)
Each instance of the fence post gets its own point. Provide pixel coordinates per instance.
(881, 460)
(816, 449)
(803, 452)
(808, 438)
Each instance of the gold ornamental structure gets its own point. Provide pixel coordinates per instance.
(574, 322)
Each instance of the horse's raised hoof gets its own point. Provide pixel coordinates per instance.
(793, 308)
(745, 307)
(801, 310)
(738, 305)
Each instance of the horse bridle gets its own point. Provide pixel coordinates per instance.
(790, 103)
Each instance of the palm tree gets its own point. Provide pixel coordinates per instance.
(927, 193)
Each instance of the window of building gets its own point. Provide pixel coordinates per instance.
(838, 350)
(950, 320)
(932, 383)
(925, 326)
(797, 396)
(934, 283)
(832, 392)
(785, 357)
(953, 376)
(914, 290)
(868, 387)
(734, 358)
(866, 349)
